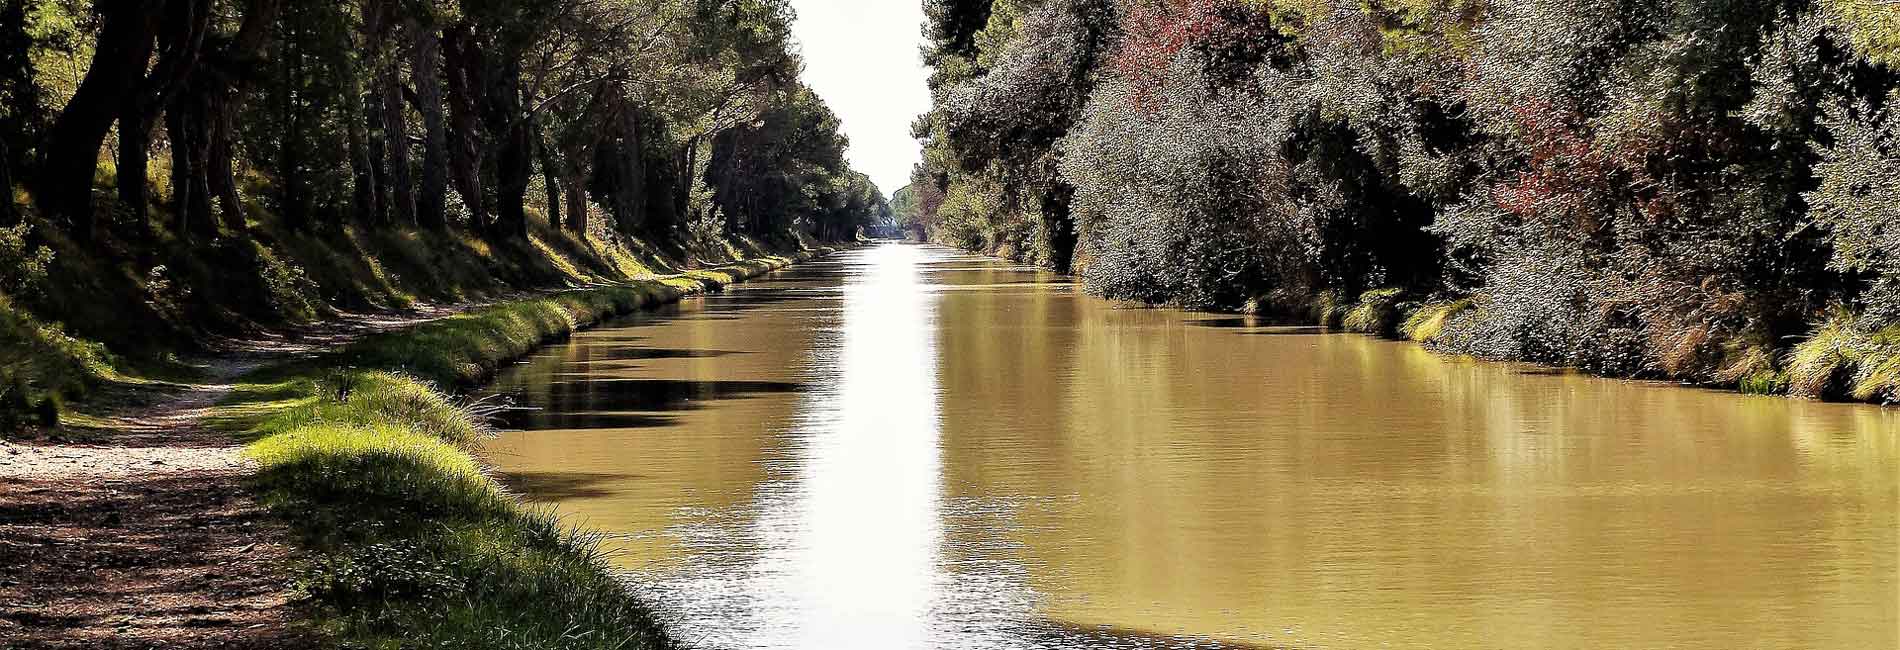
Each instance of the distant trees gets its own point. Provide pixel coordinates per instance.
(429, 113)
(1634, 187)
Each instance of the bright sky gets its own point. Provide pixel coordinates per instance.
(862, 57)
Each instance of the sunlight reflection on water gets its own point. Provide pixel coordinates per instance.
(907, 447)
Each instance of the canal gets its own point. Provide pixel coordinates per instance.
(904, 446)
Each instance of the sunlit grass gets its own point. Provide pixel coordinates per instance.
(1377, 312)
(1428, 322)
(409, 542)
(1845, 358)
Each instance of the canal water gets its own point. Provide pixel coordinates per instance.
(903, 446)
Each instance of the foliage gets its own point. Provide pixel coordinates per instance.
(268, 155)
(23, 266)
(41, 365)
(1650, 189)
(1379, 312)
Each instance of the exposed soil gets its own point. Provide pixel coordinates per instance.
(145, 535)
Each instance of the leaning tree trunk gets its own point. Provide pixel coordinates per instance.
(424, 64)
(220, 96)
(71, 152)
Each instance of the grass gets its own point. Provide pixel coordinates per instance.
(462, 350)
(409, 542)
(1427, 323)
(1846, 358)
(1376, 313)
(41, 366)
(1328, 308)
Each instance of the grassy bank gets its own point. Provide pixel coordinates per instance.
(408, 541)
(1844, 358)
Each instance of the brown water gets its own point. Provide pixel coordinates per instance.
(907, 447)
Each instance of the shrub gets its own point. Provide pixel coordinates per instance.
(1844, 357)
(1376, 313)
(1427, 323)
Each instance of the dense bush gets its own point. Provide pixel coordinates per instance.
(1638, 188)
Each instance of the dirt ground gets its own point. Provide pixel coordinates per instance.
(144, 535)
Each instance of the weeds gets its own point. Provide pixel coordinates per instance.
(1376, 313)
(1427, 323)
(1846, 358)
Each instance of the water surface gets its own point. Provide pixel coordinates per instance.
(908, 447)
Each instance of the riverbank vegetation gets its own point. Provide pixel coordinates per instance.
(368, 454)
(175, 171)
(1691, 190)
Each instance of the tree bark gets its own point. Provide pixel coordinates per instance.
(402, 190)
(180, 44)
(191, 156)
(514, 162)
(362, 166)
(550, 174)
(9, 214)
(290, 157)
(220, 93)
(71, 153)
(576, 186)
(463, 65)
(424, 66)
(220, 177)
(135, 138)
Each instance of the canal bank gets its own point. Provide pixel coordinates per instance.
(909, 447)
(403, 537)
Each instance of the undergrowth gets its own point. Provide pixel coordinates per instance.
(1845, 357)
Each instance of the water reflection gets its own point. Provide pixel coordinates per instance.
(905, 447)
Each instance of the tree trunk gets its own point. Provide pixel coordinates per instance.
(71, 152)
(9, 214)
(290, 155)
(515, 161)
(378, 132)
(424, 67)
(362, 166)
(576, 186)
(191, 191)
(135, 137)
(219, 176)
(463, 65)
(629, 198)
(550, 174)
(402, 191)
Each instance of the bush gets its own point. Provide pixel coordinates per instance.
(1845, 357)
(1427, 323)
(1377, 313)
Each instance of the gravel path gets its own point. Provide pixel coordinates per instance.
(145, 535)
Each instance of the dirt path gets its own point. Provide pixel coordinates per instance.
(144, 536)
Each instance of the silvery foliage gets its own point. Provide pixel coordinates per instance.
(1858, 200)
(1176, 185)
